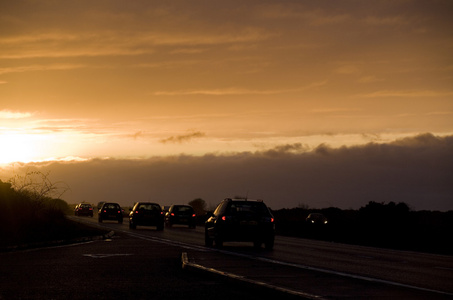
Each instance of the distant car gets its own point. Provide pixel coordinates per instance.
(84, 209)
(146, 214)
(110, 211)
(316, 219)
(181, 214)
(165, 208)
(241, 220)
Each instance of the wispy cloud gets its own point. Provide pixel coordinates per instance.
(183, 138)
(407, 93)
(110, 43)
(30, 68)
(335, 110)
(219, 92)
(7, 114)
(236, 91)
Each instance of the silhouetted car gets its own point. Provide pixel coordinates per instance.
(110, 211)
(181, 214)
(316, 219)
(146, 214)
(83, 209)
(240, 220)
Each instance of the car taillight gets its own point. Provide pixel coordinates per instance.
(119, 211)
(193, 216)
(105, 210)
(91, 208)
(223, 218)
(272, 220)
(172, 214)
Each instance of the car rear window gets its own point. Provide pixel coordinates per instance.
(147, 206)
(111, 206)
(183, 209)
(258, 208)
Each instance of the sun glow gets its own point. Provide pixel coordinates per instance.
(20, 147)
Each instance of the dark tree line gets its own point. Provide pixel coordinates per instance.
(389, 225)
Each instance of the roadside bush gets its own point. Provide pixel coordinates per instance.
(26, 217)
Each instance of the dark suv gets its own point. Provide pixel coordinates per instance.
(181, 214)
(146, 214)
(241, 220)
(110, 211)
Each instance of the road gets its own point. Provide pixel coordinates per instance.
(307, 268)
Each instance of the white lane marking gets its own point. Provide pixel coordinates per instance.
(186, 263)
(106, 255)
(376, 280)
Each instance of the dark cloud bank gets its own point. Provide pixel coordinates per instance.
(417, 171)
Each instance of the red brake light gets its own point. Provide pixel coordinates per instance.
(223, 218)
(193, 215)
(172, 214)
(272, 220)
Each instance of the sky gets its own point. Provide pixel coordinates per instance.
(231, 97)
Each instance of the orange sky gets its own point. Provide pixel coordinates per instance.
(81, 80)
(114, 78)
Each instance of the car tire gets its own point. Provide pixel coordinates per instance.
(257, 244)
(208, 242)
(218, 242)
(269, 244)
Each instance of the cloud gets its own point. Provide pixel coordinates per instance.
(125, 42)
(238, 91)
(30, 68)
(219, 92)
(414, 170)
(183, 138)
(7, 114)
(347, 70)
(137, 135)
(369, 79)
(407, 94)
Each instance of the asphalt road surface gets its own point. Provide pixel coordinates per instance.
(145, 263)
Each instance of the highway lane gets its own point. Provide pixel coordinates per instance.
(419, 271)
(122, 267)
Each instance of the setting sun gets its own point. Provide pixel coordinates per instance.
(19, 147)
